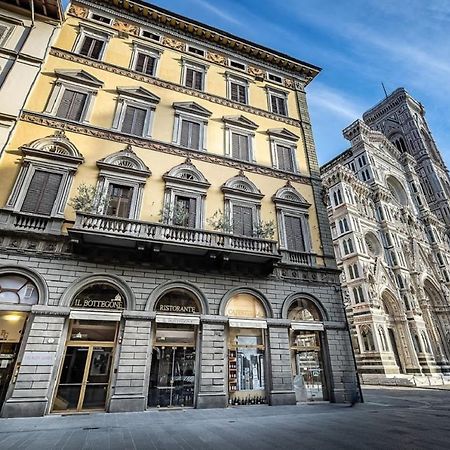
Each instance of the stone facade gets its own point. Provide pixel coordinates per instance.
(388, 208)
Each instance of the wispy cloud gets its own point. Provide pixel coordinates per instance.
(218, 12)
(336, 102)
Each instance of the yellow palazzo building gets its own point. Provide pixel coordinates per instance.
(163, 237)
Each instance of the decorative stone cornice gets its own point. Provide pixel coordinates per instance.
(115, 136)
(69, 56)
(153, 15)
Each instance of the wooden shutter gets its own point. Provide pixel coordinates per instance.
(195, 135)
(184, 138)
(86, 47)
(3, 31)
(42, 192)
(242, 94)
(239, 146)
(198, 80)
(150, 67)
(294, 234)
(140, 62)
(234, 95)
(285, 160)
(134, 120)
(72, 105)
(189, 77)
(96, 49)
(242, 220)
(235, 145)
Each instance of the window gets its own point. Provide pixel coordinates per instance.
(358, 294)
(118, 200)
(367, 339)
(294, 233)
(343, 225)
(237, 65)
(292, 219)
(353, 271)
(91, 42)
(134, 111)
(100, 18)
(240, 146)
(195, 50)
(5, 31)
(275, 78)
(242, 220)
(150, 35)
(383, 340)
(43, 184)
(190, 124)
(144, 60)
(72, 105)
(184, 196)
(283, 145)
(348, 246)
(237, 89)
(277, 102)
(42, 191)
(193, 75)
(121, 181)
(72, 95)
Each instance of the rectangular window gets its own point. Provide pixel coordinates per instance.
(195, 50)
(72, 105)
(4, 31)
(285, 158)
(275, 78)
(119, 200)
(242, 220)
(184, 211)
(42, 192)
(294, 233)
(92, 47)
(278, 104)
(194, 78)
(145, 64)
(190, 134)
(240, 148)
(238, 92)
(134, 120)
(237, 65)
(149, 35)
(100, 18)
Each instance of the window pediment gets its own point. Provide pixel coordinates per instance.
(283, 133)
(191, 108)
(139, 94)
(80, 77)
(186, 174)
(125, 161)
(289, 196)
(57, 146)
(240, 121)
(240, 185)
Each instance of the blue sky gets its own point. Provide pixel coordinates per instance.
(359, 44)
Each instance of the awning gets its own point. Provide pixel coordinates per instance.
(247, 323)
(179, 319)
(95, 315)
(308, 326)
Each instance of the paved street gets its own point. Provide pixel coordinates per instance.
(391, 418)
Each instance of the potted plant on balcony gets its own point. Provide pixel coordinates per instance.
(87, 200)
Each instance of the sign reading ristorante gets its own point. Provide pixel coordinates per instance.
(98, 296)
(177, 302)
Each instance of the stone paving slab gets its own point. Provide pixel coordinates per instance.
(391, 418)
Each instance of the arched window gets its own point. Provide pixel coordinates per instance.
(367, 339)
(425, 341)
(304, 309)
(178, 301)
(17, 289)
(383, 340)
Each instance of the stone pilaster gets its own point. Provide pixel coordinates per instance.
(131, 384)
(212, 391)
(38, 368)
(281, 387)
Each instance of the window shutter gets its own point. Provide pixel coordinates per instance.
(242, 94)
(77, 106)
(234, 92)
(42, 192)
(184, 138)
(139, 121)
(195, 135)
(235, 145)
(140, 62)
(150, 68)
(273, 100)
(238, 226)
(96, 49)
(294, 234)
(127, 123)
(3, 31)
(66, 101)
(189, 77)
(86, 47)
(242, 220)
(243, 145)
(192, 212)
(284, 155)
(198, 80)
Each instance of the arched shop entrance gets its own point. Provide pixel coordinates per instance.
(17, 295)
(85, 374)
(174, 363)
(307, 342)
(246, 350)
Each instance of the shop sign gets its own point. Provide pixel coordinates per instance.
(99, 297)
(246, 306)
(177, 302)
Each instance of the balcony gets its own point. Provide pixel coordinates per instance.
(29, 223)
(92, 229)
(290, 257)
